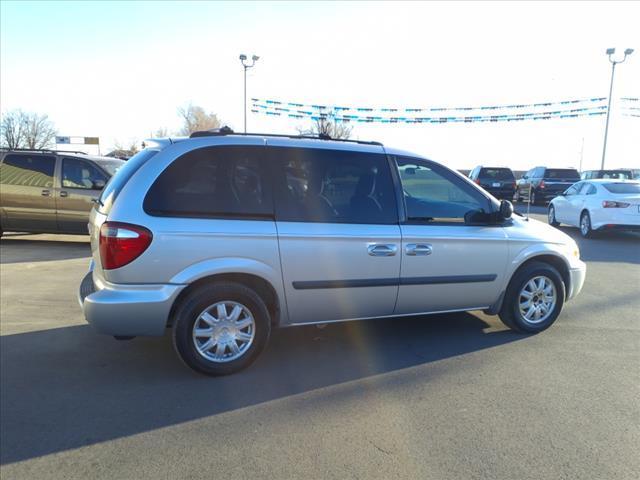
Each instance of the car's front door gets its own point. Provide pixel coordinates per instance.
(28, 192)
(570, 204)
(453, 256)
(81, 183)
(337, 221)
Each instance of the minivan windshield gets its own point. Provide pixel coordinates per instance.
(622, 187)
(121, 177)
(564, 173)
(497, 174)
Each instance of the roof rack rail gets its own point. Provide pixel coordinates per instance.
(47, 150)
(322, 136)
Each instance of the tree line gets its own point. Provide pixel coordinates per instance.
(30, 130)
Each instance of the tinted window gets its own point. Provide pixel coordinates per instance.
(564, 173)
(433, 194)
(622, 187)
(225, 181)
(496, 174)
(28, 170)
(80, 174)
(589, 189)
(121, 177)
(333, 186)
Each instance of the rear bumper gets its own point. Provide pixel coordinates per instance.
(615, 226)
(503, 193)
(127, 310)
(576, 280)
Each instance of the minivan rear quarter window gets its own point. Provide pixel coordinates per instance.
(213, 182)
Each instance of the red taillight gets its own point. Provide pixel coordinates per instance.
(542, 185)
(122, 243)
(614, 204)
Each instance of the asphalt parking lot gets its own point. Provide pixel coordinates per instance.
(441, 397)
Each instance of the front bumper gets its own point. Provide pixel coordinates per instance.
(127, 310)
(576, 280)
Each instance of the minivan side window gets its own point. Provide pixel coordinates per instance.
(213, 182)
(77, 173)
(28, 170)
(332, 186)
(434, 195)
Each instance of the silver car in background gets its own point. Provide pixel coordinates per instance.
(222, 237)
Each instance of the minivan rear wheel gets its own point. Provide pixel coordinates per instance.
(534, 298)
(221, 328)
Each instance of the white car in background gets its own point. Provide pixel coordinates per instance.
(597, 205)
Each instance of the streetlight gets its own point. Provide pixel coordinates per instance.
(247, 66)
(610, 52)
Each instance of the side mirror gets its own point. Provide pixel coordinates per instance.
(524, 177)
(98, 184)
(506, 209)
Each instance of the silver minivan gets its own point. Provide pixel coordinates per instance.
(222, 237)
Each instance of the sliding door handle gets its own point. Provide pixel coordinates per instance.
(419, 249)
(382, 249)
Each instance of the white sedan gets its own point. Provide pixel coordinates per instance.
(598, 205)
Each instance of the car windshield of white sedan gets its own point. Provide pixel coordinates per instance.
(622, 187)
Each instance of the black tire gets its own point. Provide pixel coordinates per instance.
(195, 303)
(551, 216)
(510, 312)
(588, 231)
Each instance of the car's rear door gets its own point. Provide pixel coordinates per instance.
(28, 192)
(81, 184)
(453, 258)
(336, 215)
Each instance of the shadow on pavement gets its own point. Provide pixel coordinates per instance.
(17, 249)
(70, 387)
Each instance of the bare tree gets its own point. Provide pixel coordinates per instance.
(12, 130)
(161, 132)
(327, 125)
(130, 146)
(195, 118)
(26, 130)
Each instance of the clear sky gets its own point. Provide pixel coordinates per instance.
(120, 70)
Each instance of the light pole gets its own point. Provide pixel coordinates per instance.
(611, 52)
(247, 66)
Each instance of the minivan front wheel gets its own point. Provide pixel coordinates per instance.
(534, 298)
(221, 328)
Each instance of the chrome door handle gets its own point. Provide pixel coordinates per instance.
(45, 193)
(382, 250)
(64, 194)
(419, 249)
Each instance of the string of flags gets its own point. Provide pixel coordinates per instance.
(342, 108)
(627, 109)
(585, 107)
